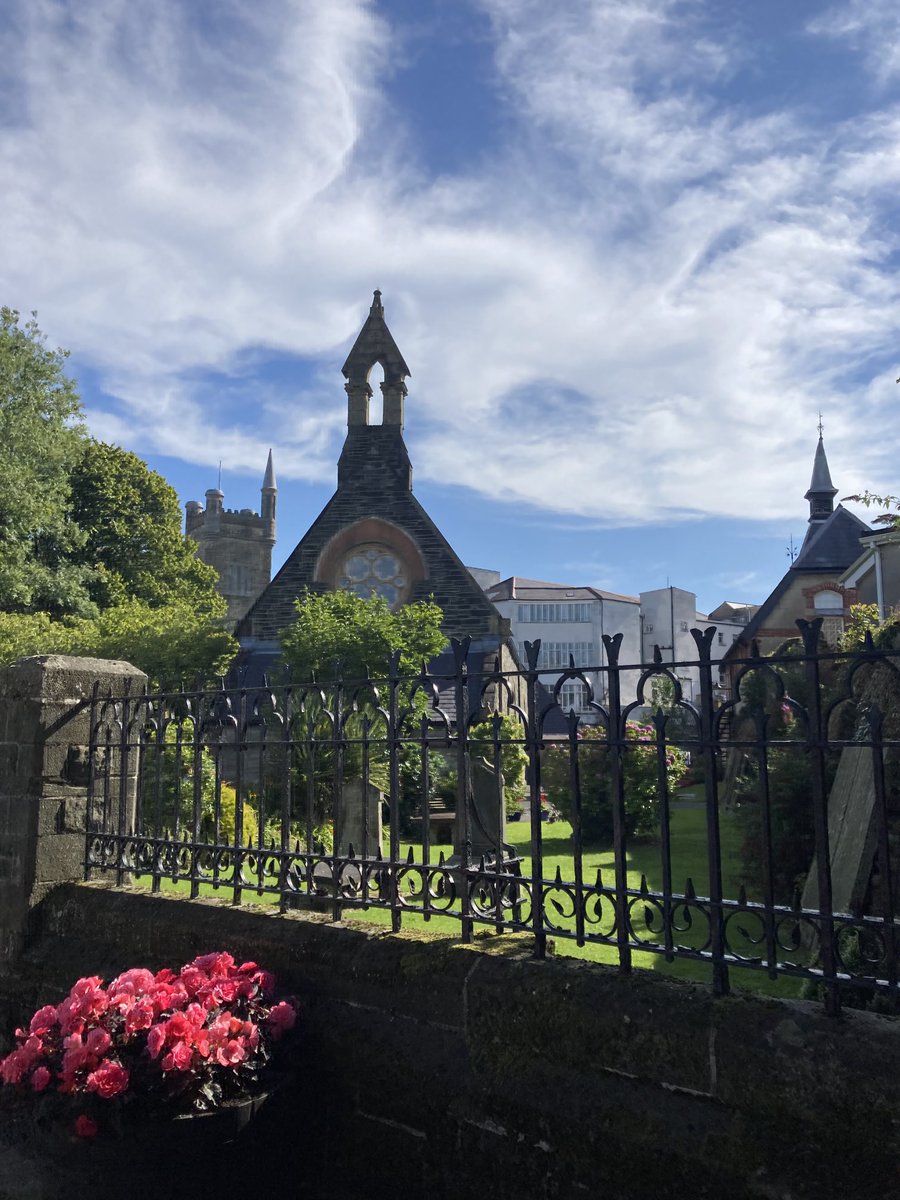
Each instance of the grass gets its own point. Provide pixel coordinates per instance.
(644, 859)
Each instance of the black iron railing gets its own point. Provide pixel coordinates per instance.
(280, 792)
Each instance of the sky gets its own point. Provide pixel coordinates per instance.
(630, 250)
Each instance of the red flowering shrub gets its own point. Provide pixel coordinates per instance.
(179, 1041)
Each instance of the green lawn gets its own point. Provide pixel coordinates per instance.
(689, 860)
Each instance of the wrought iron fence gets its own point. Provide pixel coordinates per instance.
(279, 792)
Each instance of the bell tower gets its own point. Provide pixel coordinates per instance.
(375, 345)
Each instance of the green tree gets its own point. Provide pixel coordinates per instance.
(173, 643)
(42, 437)
(132, 522)
(359, 634)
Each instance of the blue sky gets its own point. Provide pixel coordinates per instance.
(629, 249)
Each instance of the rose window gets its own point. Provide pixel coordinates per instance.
(374, 571)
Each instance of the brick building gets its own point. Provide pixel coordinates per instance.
(812, 586)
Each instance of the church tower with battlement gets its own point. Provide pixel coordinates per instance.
(237, 542)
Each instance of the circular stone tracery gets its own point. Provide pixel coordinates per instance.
(374, 570)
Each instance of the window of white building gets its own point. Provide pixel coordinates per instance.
(556, 654)
(573, 695)
(532, 614)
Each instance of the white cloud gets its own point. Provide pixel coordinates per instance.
(870, 26)
(633, 312)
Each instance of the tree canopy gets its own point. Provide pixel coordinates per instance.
(131, 519)
(92, 557)
(359, 634)
(42, 437)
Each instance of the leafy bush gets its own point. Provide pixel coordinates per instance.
(640, 771)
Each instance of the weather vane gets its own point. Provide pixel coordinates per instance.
(821, 426)
(791, 549)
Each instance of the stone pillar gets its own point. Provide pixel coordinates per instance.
(45, 715)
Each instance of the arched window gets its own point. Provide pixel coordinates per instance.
(828, 602)
(376, 403)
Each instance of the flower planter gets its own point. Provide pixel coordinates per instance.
(189, 1154)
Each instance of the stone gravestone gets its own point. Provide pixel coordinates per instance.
(852, 833)
(487, 822)
(351, 831)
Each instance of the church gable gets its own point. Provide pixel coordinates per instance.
(373, 536)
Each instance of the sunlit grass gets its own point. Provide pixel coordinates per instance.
(644, 860)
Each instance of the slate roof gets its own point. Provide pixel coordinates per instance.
(834, 545)
(517, 588)
(831, 546)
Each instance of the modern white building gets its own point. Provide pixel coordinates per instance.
(667, 617)
(570, 622)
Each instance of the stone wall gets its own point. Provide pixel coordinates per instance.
(440, 1070)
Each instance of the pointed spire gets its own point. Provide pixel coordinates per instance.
(269, 477)
(375, 345)
(821, 491)
(269, 491)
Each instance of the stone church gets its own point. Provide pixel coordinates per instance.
(373, 536)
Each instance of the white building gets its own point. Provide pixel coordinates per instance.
(570, 621)
(667, 617)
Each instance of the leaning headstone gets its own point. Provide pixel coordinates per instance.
(364, 840)
(852, 833)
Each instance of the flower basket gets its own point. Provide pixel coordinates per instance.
(152, 1073)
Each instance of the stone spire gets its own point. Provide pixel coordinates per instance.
(822, 491)
(375, 345)
(269, 491)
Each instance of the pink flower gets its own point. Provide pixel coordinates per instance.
(214, 964)
(89, 996)
(282, 1018)
(135, 982)
(156, 1039)
(110, 1079)
(266, 982)
(13, 1067)
(43, 1020)
(85, 1127)
(178, 1026)
(139, 1016)
(193, 979)
(76, 1056)
(225, 991)
(98, 1042)
(39, 1079)
(179, 1058)
(232, 1054)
